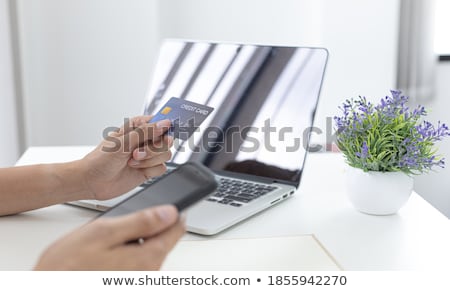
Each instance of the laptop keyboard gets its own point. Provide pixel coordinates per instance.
(230, 191)
(237, 193)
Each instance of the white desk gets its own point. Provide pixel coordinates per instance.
(417, 238)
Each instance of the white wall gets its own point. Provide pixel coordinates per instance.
(9, 143)
(252, 21)
(86, 65)
(360, 35)
(435, 186)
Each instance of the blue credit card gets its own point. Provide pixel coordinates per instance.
(186, 116)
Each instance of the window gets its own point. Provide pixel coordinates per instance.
(442, 25)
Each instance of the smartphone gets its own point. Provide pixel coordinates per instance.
(184, 186)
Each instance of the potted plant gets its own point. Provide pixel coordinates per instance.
(385, 145)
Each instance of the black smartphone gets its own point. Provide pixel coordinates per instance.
(184, 186)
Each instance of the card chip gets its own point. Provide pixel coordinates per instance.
(166, 110)
(186, 116)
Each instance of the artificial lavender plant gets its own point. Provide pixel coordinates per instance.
(388, 137)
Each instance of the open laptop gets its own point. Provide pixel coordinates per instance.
(256, 139)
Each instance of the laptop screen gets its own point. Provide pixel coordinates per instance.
(264, 100)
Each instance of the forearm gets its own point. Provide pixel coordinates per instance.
(31, 187)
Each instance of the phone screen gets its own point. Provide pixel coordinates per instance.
(182, 187)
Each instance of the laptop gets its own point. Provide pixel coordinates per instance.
(256, 139)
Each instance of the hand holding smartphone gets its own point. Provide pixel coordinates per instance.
(184, 186)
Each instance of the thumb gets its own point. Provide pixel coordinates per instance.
(142, 134)
(142, 224)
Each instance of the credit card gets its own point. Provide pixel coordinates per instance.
(186, 116)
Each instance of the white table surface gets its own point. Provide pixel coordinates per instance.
(417, 238)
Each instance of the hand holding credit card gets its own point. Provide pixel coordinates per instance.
(186, 116)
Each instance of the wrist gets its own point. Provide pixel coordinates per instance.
(72, 181)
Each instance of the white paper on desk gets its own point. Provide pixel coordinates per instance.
(261, 254)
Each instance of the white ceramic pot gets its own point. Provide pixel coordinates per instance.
(378, 193)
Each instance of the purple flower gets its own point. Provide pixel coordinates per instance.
(398, 141)
(364, 150)
(419, 111)
(429, 132)
(391, 106)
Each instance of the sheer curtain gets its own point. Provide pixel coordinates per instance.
(416, 57)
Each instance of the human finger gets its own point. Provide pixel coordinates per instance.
(145, 223)
(145, 133)
(154, 171)
(132, 123)
(159, 159)
(153, 149)
(160, 245)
